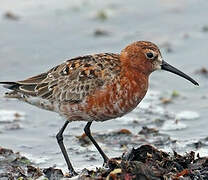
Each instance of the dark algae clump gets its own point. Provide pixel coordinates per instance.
(145, 162)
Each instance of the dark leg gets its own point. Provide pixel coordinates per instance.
(59, 138)
(88, 133)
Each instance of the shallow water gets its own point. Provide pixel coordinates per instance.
(47, 33)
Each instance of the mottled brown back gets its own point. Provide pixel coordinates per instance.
(72, 80)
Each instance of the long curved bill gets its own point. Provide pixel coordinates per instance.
(167, 67)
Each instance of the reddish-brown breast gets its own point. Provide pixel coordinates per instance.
(121, 95)
(117, 98)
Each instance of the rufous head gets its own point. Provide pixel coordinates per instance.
(145, 57)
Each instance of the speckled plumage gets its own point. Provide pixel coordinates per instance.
(72, 80)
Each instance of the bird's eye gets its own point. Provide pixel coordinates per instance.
(150, 55)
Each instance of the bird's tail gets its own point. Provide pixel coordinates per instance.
(10, 85)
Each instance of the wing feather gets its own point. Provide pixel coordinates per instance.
(73, 80)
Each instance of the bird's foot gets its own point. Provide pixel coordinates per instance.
(72, 173)
(112, 163)
(106, 164)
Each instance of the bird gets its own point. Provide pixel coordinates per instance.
(95, 87)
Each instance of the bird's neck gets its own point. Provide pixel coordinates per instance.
(137, 81)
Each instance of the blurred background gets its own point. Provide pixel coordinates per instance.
(36, 35)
